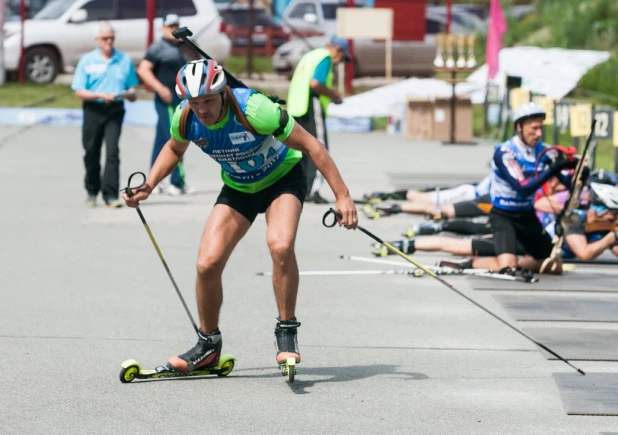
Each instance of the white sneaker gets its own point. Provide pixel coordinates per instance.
(189, 190)
(176, 191)
(173, 190)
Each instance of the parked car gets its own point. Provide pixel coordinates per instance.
(58, 36)
(409, 58)
(236, 21)
(314, 16)
(13, 8)
(460, 17)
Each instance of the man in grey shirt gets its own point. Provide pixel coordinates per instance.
(158, 70)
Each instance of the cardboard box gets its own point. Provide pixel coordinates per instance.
(463, 119)
(419, 119)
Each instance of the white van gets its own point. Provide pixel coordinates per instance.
(63, 31)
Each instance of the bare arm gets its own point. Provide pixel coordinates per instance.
(301, 140)
(548, 204)
(320, 89)
(145, 72)
(85, 95)
(589, 251)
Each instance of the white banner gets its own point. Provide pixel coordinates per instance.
(374, 23)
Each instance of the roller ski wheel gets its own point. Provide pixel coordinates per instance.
(288, 368)
(132, 370)
(286, 346)
(370, 212)
(410, 233)
(380, 251)
(418, 273)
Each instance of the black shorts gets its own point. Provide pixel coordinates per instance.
(470, 209)
(486, 247)
(251, 204)
(523, 227)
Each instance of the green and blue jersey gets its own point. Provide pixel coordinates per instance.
(249, 162)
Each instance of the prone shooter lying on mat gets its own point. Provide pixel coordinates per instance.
(595, 231)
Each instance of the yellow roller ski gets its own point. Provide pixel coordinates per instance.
(132, 370)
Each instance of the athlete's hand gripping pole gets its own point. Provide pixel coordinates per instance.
(129, 191)
(183, 33)
(336, 214)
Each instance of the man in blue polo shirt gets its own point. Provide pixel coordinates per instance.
(102, 79)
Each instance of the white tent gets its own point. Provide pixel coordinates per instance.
(550, 71)
(553, 72)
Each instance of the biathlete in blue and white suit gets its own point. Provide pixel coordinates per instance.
(519, 167)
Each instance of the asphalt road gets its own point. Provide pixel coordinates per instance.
(81, 290)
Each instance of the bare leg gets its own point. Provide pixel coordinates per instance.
(282, 218)
(415, 195)
(427, 208)
(224, 229)
(448, 210)
(535, 265)
(507, 260)
(441, 243)
(490, 263)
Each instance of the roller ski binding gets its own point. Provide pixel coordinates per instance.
(525, 275)
(424, 229)
(382, 251)
(286, 345)
(375, 212)
(203, 359)
(370, 211)
(377, 197)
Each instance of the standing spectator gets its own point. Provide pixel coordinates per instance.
(158, 70)
(311, 90)
(101, 79)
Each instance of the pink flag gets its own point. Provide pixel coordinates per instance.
(497, 27)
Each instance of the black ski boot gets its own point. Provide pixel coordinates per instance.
(424, 229)
(286, 343)
(204, 354)
(405, 246)
(511, 271)
(463, 264)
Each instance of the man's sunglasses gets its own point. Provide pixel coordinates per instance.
(107, 38)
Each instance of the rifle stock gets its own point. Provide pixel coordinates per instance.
(601, 226)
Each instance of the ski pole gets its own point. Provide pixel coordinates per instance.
(129, 192)
(337, 214)
(184, 33)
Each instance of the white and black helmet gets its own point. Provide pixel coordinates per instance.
(527, 111)
(604, 194)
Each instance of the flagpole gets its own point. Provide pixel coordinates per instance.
(497, 26)
(449, 15)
